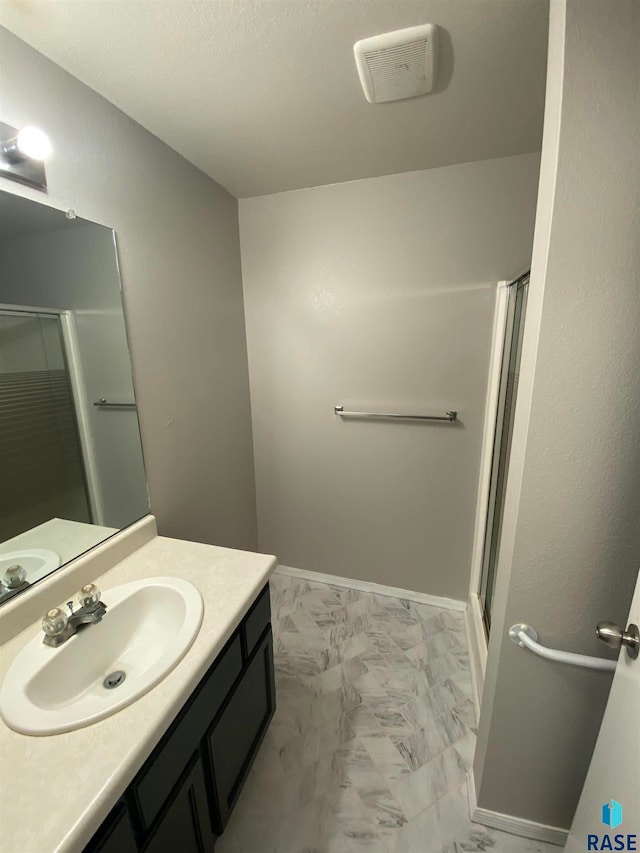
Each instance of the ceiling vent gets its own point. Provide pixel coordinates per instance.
(397, 65)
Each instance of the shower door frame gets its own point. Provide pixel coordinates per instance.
(81, 404)
(513, 333)
(476, 634)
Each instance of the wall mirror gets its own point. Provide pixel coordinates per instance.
(70, 451)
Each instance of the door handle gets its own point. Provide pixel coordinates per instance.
(615, 637)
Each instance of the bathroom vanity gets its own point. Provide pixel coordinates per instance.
(187, 788)
(165, 771)
(134, 726)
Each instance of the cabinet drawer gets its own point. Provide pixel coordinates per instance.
(234, 739)
(257, 620)
(167, 762)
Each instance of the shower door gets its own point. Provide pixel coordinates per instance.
(40, 456)
(502, 442)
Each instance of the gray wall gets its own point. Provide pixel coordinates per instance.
(571, 536)
(180, 262)
(378, 294)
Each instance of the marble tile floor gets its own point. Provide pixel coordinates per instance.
(373, 735)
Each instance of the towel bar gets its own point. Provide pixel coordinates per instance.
(527, 637)
(448, 417)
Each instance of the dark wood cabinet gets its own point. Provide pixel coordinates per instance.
(235, 738)
(183, 795)
(152, 786)
(116, 834)
(185, 824)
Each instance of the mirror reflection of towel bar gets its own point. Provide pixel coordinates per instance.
(448, 417)
(105, 404)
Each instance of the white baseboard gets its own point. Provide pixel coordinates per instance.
(477, 645)
(375, 588)
(514, 825)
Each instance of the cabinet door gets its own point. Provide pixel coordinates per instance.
(235, 738)
(115, 835)
(185, 825)
(156, 780)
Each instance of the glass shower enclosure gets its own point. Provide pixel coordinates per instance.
(40, 450)
(508, 390)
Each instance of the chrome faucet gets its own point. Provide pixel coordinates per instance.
(58, 627)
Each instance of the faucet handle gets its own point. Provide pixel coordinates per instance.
(54, 622)
(14, 576)
(89, 596)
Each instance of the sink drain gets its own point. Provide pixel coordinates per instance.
(114, 679)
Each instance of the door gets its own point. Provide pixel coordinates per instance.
(613, 773)
(117, 836)
(509, 374)
(186, 825)
(235, 738)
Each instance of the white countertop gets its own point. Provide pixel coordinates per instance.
(67, 538)
(55, 791)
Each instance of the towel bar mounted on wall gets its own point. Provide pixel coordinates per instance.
(527, 637)
(105, 404)
(448, 417)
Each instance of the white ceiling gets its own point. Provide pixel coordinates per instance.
(263, 95)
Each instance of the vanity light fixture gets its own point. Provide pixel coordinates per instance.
(22, 155)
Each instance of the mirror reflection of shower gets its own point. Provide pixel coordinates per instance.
(72, 471)
(41, 457)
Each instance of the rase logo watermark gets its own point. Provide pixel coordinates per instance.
(611, 815)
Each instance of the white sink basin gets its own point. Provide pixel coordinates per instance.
(37, 562)
(149, 626)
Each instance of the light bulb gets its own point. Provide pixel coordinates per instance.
(33, 143)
